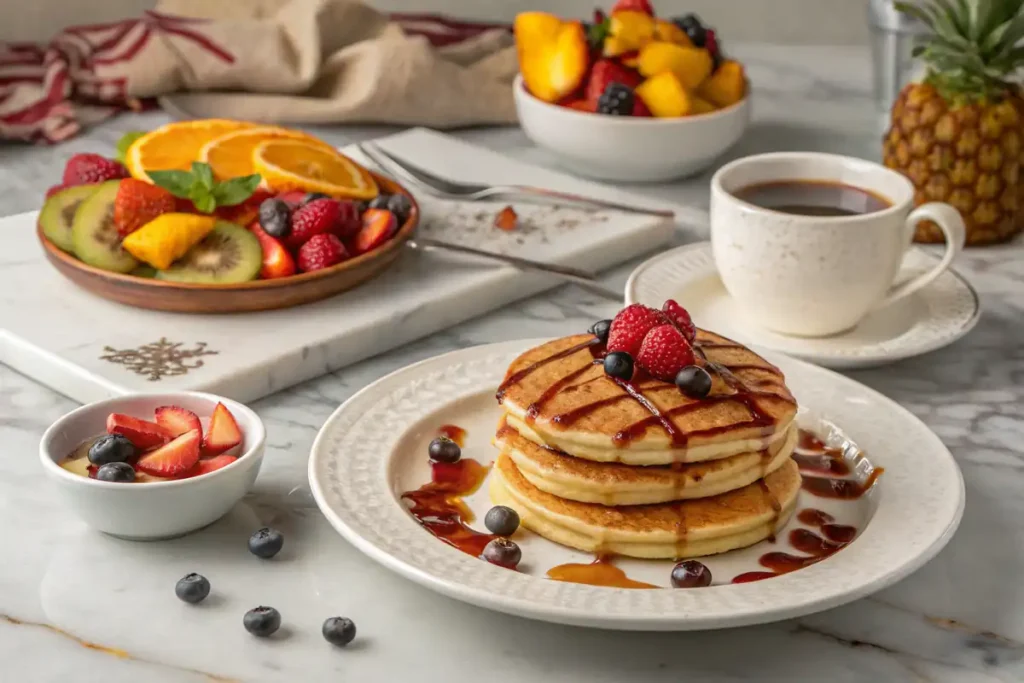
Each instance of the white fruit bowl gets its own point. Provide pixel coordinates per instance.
(153, 510)
(628, 148)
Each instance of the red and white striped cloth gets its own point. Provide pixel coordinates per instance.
(49, 92)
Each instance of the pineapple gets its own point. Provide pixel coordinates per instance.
(958, 134)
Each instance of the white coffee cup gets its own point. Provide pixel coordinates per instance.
(818, 275)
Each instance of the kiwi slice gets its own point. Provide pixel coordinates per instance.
(229, 254)
(58, 213)
(94, 235)
(144, 270)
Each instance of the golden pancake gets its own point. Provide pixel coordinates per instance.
(558, 395)
(691, 528)
(612, 483)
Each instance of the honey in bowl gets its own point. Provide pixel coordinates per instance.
(813, 198)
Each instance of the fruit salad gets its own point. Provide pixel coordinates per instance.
(174, 445)
(627, 63)
(219, 202)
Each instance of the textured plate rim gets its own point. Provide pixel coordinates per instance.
(833, 360)
(799, 601)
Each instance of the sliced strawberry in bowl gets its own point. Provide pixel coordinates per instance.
(173, 458)
(177, 420)
(207, 465)
(223, 433)
(142, 433)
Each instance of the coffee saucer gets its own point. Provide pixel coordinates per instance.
(934, 317)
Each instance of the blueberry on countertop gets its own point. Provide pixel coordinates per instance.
(262, 621)
(266, 542)
(339, 631)
(192, 588)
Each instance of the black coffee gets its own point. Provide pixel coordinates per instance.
(813, 198)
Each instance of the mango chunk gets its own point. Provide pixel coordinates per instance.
(669, 32)
(665, 96)
(690, 65)
(628, 31)
(553, 54)
(725, 87)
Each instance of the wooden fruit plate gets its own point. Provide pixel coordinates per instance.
(257, 295)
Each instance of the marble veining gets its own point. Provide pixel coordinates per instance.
(78, 606)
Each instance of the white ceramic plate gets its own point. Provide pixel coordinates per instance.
(373, 448)
(934, 317)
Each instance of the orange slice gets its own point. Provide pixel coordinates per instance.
(175, 145)
(230, 155)
(287, 164)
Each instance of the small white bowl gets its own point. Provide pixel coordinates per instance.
(629, 148)
(154, 510)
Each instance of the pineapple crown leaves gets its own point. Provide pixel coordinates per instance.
(973, 47)
(199, 186)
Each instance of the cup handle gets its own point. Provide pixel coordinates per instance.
(952, 225)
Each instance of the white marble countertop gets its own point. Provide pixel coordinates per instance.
(78, 606)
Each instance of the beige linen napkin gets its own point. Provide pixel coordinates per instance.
(320, 61)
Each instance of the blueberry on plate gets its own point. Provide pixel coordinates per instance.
(380, 201)
(503, 552)
(619, 364)
(399, 205)
(339, 631)
(266, 542)
(192, 588)
(111, 448)
(262, 621)
(276, 217)
(691, 574)
(501, 520)
(117, 472)
(443, 449)
(600, 329)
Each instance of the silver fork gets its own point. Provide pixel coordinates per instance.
(450, 189)
(581, 278)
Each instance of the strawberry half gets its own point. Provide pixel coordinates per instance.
(174, 458)
(378, 226)
(207, 465)
(137, 203)
(142, 433)
(606, 71)
(277, 261)
(177, 420)
(633, 6)
(223, 433)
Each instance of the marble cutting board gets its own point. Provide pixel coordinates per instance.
(88, 348)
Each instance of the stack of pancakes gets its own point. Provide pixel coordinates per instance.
(638, 468)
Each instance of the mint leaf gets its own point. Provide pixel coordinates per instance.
(236, 190)
(203, 174)
(125, 142)
(178, 183)
(203, 200)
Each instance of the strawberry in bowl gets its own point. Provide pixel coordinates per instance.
(629, 96)
(154, 465)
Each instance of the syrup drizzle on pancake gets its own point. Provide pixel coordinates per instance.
(742, 392)
(517, 377)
